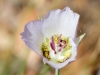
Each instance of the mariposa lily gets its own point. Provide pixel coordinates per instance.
(54, 37)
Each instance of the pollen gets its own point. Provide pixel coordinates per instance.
(57, 48)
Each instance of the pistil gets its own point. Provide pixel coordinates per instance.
(59, 39)
(62, 47)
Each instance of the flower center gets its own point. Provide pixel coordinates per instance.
(57, 48)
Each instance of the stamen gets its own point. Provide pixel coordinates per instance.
(59, 38)
(52, 44)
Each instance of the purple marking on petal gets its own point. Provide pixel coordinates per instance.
(59, 38)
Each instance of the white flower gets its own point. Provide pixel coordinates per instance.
(54, 37)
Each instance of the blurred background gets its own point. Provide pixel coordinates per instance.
(17, 59)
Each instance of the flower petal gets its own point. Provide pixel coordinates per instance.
(60, 65)
(33, 36)
(78, 40)
(60, 22)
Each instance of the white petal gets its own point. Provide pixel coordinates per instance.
(78, 40)
(74, 49)
(60, 65)
(33, 36)
(60, 22)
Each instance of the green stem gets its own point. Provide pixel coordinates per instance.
(56, 71)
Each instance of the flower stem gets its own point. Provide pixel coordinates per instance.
(56, 71)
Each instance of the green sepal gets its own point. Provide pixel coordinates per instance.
(78, 40)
